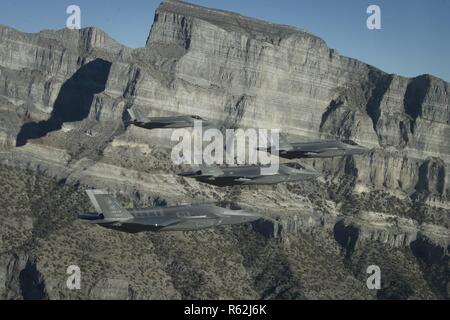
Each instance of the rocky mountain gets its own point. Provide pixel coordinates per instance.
(63, 96)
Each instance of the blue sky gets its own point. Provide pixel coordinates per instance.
(414, 39)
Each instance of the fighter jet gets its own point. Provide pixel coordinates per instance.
(317, 149)
(138, 119)
(247, 175)
(110, 214)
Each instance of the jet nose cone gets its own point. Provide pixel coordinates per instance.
(359, 150)
(240, 216)
(250, 216)
(314, 174)
(311, 173)
(303, 173)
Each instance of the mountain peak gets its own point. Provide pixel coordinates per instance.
(228, 20)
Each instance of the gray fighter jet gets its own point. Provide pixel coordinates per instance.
(317, 149)
(248, 175)
(138, 119)
(110, 214)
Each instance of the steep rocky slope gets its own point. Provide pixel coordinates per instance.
(62, 100)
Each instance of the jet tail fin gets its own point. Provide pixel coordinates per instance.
(107, 205)
(136, 115)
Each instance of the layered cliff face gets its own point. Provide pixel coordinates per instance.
(315, 91)
(222, 66)
(63, 96)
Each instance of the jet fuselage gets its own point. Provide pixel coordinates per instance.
(320, 149)
(251, 175)
(175, 218)
(166, 122)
